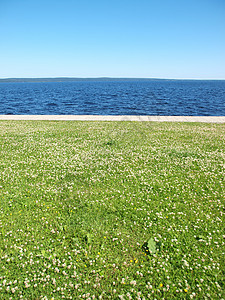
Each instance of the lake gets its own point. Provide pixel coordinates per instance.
(140, 97)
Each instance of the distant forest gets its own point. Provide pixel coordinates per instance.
(71, 79)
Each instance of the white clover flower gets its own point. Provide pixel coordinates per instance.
(133, 282)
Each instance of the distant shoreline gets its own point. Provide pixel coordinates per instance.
(102, 79)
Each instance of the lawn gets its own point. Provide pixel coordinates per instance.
(111, 210)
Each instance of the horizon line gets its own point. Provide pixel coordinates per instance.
(108, 77)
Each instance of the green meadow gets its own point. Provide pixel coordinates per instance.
(112, 210)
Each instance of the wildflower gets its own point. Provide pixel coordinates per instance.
(186, 264)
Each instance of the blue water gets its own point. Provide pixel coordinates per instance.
(169, 97)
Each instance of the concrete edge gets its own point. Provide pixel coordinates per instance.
(205, 119)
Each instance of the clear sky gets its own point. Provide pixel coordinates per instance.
(112, 38)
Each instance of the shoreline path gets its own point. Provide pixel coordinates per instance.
(205, 119)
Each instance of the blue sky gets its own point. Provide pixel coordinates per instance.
(112, 38)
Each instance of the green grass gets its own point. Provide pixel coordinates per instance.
(80, 199)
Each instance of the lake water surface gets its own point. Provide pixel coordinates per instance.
(154, 97)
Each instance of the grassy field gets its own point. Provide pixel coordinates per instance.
(111, 210)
